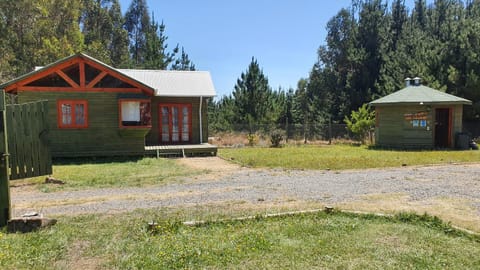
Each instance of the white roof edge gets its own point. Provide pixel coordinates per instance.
(162, 70)
(164, 95)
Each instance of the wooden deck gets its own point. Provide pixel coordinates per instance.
(182, 150)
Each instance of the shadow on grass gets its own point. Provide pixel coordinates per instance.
(410, 149)
(96, 160)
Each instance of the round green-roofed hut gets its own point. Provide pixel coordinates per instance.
(418, 117)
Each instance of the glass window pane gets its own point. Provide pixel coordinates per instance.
(185, 124)
(165, 127)
(165, 116)
(79, 114)
(175, 126)
(131, 111)
(66, 114)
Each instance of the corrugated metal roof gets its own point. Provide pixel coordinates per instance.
(419, 94)
(174, 83)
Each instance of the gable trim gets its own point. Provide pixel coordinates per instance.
(20, 84)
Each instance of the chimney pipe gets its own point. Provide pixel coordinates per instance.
(417, 81)
(407, 82)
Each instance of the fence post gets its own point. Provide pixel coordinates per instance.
(5, 212)
(330, 130)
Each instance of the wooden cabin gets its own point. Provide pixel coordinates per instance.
(97, 110)
(418, 117)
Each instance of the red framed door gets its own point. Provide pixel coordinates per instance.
(175, 123)
(443, 127)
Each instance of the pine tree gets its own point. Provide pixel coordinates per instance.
(302, 106)
(183, 62)
(252, 97)
(156, 55)
(419, 15)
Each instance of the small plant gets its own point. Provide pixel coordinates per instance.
(276, 138)
(164, 226)
(252, 139)
(361, 122)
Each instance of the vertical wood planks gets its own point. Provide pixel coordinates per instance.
(27, 140)
(5, 209)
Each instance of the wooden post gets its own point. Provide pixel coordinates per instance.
(5, 213)
(330, 130)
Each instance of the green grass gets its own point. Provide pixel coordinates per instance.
(308, 241)
(340, 157)
(99, 173)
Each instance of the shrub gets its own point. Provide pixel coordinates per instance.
(361, 122)
(276, 138)
(252, 139)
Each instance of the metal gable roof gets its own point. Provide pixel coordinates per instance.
(419, 94)
(174, 83)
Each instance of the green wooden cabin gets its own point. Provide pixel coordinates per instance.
(418, 117)
(97, 110)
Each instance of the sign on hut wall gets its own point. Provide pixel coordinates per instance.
(418, 120)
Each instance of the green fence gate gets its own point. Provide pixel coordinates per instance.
(24, 150)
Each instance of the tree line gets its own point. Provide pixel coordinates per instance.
(36, 33)
(371, 47)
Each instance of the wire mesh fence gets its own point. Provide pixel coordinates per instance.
(240, 134)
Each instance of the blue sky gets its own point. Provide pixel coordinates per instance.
(222, 36)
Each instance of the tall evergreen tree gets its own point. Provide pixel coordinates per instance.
(183, 62)
(221, 114)
(156, 55)
(118, 47)
(419, 16)
(252, 96)
(137, 23)
(302, 107)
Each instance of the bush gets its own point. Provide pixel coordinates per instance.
(276, 138)
(361, 122)
(252, 139)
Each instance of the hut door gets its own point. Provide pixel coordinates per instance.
(442, 127)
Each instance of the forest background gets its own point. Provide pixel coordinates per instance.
(371, 47)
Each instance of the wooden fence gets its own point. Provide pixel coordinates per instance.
(27, 138)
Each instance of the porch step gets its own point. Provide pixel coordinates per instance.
(184, 150)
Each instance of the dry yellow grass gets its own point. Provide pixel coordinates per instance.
(460, 212)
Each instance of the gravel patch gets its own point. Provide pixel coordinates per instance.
(259, 186)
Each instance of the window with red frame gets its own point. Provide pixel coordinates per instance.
(72, 114)
(135, 113)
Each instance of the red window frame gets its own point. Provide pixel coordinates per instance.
(179, 106)
(73, 123)
(120, 122)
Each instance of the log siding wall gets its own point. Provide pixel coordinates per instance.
(392, 130)
(104, 137)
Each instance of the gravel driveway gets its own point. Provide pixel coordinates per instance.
(260, 186)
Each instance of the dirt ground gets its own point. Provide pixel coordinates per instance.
(450, 191)
(215, 167)
(214, 164)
